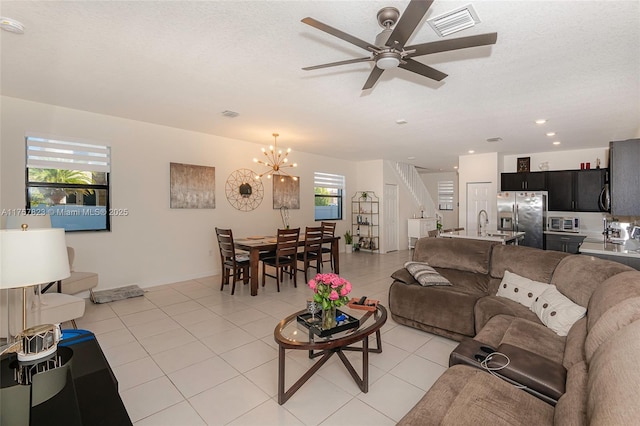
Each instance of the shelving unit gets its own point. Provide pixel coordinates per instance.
(365, 221)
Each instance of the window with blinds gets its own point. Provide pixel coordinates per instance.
(69, 181)
(445, 195)
(328, 190)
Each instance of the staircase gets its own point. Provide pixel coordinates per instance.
(415, 186)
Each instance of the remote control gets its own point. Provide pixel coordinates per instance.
(362, 300)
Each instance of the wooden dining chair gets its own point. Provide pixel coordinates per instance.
(312, 252)
(433, 233)
(233, 264)
(285, 258)
(328, 231)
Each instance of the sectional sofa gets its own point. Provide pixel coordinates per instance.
(595, 354)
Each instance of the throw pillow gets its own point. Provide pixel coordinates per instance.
(520, 289)
(425, 274)
(556, 311)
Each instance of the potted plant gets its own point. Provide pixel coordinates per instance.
(348, 240)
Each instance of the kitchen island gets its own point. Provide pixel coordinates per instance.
(505, 237)
(627, 253)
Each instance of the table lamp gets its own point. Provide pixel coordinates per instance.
(29, 257)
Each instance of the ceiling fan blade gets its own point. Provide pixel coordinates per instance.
(408, 22)
(422, 69)
(340, 34)
(373, 78)
(333, 64)
(453, 44)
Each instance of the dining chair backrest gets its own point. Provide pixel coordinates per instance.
(328, 229)
(225, 241)
(313, 239)
(287, 242)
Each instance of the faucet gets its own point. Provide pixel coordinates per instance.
(483, 222)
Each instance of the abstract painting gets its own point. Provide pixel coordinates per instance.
(286, 192)
(192, 187)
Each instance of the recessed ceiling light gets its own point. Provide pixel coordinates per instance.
(541, 121)
(411, 158)
(471, 151)
(11, 25)
(455, 167)
(551, 134)
(401, 121)
(556, 143)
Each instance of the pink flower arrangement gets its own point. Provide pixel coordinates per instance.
(330, 290)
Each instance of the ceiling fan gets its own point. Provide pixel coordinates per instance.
(389, 50)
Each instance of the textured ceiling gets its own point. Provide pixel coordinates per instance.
(180, 64)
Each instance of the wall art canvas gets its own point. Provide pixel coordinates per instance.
(286, 192)
(192, 187)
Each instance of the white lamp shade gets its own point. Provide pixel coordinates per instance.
(33, 220)
(31, 257)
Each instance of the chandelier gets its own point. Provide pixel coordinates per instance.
(276, 161)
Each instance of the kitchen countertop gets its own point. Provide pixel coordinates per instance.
(492, 235)
(631, 248)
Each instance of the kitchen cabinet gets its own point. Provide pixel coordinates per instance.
(624, 164)
(575, 190)
(564, 243)
(530, 181)
(419, 228)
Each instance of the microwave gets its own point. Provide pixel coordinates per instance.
(564, 224)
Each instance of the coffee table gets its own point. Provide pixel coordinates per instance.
(288, 334)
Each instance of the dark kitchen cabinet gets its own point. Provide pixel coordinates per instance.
(575, 190)
(560, 190)
(564, 243)
(529, 181)
(624, 164)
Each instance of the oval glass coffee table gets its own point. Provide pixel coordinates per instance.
(289, 334)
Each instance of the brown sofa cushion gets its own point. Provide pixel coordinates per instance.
(491, 306)
(577, 276)
(614, 374)
(532, 263)
(432, 306)
(404, 276)
(574, 346)
(571, 409)
(451, 253)
(524, 334)
(464, 395)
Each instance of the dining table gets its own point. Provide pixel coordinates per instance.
(258, 243)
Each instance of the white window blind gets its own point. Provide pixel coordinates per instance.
(328, 180)
(445, 194)
(44, 153)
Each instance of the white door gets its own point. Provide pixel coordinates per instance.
(390, 202)
(480, 197)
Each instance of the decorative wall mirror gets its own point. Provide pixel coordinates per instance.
(244, 192)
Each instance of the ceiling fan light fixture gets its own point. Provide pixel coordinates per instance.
(387, 61)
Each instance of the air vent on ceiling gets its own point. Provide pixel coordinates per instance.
(230, 114)
(454, 20)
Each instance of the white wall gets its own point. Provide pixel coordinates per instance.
(560, 160)
(475, 168)
(155, 244)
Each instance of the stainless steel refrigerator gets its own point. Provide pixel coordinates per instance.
(524, 212)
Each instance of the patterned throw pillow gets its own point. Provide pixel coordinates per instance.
(520, 289)
(556, 311)
(425, 274)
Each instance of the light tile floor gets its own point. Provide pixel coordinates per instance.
(189, 354)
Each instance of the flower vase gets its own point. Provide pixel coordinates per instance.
(329, 318)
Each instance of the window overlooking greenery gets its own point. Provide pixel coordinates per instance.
(328, 189)
(70, 182)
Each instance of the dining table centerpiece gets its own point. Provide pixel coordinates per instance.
(330, 291)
